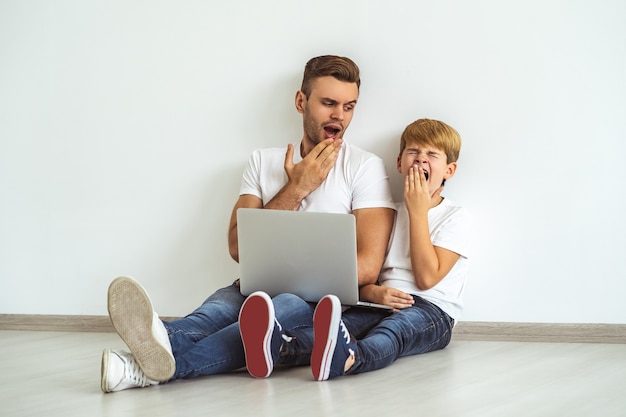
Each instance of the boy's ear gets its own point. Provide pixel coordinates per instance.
(399, 164)
(450, 171)
(300, 101)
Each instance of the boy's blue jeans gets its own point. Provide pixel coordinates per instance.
(421, 328)
(208, 341)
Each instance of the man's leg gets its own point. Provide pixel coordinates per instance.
(275, 331)
(135, 320)
(217, 312)
(282, 333)
(219, 352)
(295, 318)
(156, 346)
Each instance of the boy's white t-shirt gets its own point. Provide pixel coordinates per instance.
(449, 226)
(358, 180)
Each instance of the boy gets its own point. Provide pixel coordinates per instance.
(423, 275)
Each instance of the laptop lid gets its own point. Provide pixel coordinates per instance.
(309, 254)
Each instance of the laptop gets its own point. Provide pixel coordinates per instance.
(304, 253)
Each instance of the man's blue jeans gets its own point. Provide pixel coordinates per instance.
(208, 341)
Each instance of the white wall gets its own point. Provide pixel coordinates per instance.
(125, 126)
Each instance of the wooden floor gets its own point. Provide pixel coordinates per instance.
(58, 374)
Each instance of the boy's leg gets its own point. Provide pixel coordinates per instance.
(334, 348)
(360, 320)
(418, 329)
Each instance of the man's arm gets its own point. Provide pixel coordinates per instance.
(244, 201)
(303, 178)
(373, 229)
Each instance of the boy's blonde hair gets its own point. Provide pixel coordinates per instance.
(432, 133)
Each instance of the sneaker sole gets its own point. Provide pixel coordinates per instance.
(325, 329)
(256, 326)
(131, 313)
(104, 383)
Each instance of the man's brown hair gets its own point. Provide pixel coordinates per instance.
(339, 67)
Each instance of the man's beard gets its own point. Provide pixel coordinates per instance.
(314, 131)
(311, 129)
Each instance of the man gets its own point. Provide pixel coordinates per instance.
(327, 175)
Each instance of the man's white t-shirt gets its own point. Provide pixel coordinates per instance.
(358, 180)
(449, 226)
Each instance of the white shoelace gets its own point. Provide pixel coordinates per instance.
(344, 330)
(284, 336)
(134, 374)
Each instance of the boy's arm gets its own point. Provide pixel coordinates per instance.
(388, 296)
(430, 263)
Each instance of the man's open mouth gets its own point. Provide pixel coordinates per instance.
(331, 131)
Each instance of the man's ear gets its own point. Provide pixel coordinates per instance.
(450, 171)
(300, 101)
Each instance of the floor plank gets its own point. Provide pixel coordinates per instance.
(58, 374)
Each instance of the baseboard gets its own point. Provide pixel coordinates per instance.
(57, 323)
(541, 332)
(469, 330)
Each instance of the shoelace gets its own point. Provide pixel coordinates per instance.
(344, 330)
(284, 336)
(346, 336)
(134, 374)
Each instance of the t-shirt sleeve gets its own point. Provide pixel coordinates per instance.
(456, 233)
(371, 186)
(251, 180)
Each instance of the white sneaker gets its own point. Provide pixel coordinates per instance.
(120, 371)
(139, 326)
